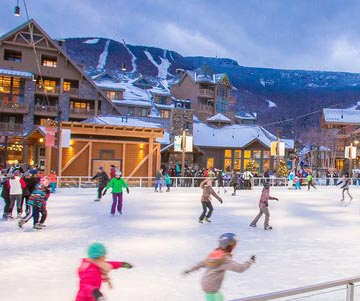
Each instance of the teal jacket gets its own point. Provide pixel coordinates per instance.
(117, 185)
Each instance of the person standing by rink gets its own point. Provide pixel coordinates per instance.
(117, 185)
(95, 270)
(217, 263)
(206, 200)
(345, 187)
(310, 181)
(234, 182)
(263, 205)
(16, 185)
(103, 179)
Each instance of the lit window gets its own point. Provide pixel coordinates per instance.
(237, 153)
(48, 85)
(12, 55)
(165, 114)
(49, 61)
(67, 86)
(228, 153)
(247, 154)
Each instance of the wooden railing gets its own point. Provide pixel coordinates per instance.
(13, 107)
(46, 110)
(81, 113)
(11, 127)
(72, 92)
(47, 89)
(206, 93)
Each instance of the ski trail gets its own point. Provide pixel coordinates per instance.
(103, 57)
(162, 67)
(133, 58)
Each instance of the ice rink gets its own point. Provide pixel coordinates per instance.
(316, 238)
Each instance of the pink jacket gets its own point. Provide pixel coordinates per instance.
(264, 199)
(91, 278)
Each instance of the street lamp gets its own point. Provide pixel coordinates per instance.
(183, 150)
(17, 9)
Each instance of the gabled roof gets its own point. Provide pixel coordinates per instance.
(341, 116)
(200, 77)
(54, 45)
(219, 118)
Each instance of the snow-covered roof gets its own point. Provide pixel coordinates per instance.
(218, 118)
(236, 135)
(16, 73)
(167, 107)
(165, 139)
(159, 91)
(342, 116)
(121, 120)
(246, 115)
(130, 102)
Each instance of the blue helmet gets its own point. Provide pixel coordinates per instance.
(227, 239)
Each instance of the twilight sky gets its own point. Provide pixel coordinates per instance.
(289, 34)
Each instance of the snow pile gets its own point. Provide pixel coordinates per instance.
(91, 41)
(160, 235)
(103, 57)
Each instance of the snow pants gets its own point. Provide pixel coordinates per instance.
(261, 212)
(53, 187)
(310, 183)
(7, 206)
(206, 205)
(158, 185)
(214, 296)
(343, 193)
(100, 190)
(15, 198)
(43, 212)
(117, 202)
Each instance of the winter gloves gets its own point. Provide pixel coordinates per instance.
(104, 191)
(127, 190)
(98, 295)
(127, 265)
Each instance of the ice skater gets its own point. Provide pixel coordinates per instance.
(117, 185)
(234, 181)
(264, 207)
(103, 179)
(345, 187)
(158, 180)
(208, 191)
(167, 182)
(217, 263)
(310, 181)
(93, 271)
(220, 180)
(297, 183)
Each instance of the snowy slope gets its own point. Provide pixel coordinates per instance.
(162, 67)
(314, 240)
(103, 57)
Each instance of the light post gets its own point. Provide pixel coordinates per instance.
(58, 142)
(183, 150)
(278, 132)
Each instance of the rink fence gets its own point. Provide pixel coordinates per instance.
(346, 286)
(86, 182)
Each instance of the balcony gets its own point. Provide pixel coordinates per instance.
(82, 113)
(46, 110)
(72, 92)
(205, 109)
(13, 107)
(206, 93)
(47, 89)
(11, 127)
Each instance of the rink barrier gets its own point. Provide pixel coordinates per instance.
(85, 182)
(347, 284)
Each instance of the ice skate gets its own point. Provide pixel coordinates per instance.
(21, 223)
(268, 228)
(42, 225)
(233, 194)
(37, 227)
(252, 225)
(201, 221)
(97, 200)
(208, 220)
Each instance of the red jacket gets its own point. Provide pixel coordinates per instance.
(91, 278)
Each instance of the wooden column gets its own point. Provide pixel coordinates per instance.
(47, 159)
(123, 159)
(60, 160)
(150, 159)
(158, 157)
(90, 159)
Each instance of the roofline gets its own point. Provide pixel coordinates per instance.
(32, 21)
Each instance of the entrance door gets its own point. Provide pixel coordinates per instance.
(106, 164)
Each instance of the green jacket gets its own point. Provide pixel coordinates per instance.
(117, 185)
(309, 177)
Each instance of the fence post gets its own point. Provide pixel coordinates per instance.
(79, 182)
(140, 182)
(193, 182)
(350, 288)
(176, 185)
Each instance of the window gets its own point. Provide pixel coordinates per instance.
(48, 85)
(237, 165)
(228, 153)
(113, 95)
(12, 55)
(143, 112)
(227, 164)
(165, 114)
(79, 105)
(237, 153)
(266, 155)
(209, 163)
(162, 100)
(12, 89)
(247, 154)
(42, 151)
(257, 154)
(49, 61)
(130, 111)
(67, 86)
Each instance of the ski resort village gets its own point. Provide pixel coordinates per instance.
(126, 169)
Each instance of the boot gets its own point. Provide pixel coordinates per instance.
(268, 228)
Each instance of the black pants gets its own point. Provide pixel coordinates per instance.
(310, 183)
(43, 212)
(100, 189)
(235, 185)
(7, 206)
(247, 184)
(205, 206)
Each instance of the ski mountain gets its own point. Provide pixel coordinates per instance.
(276, 95)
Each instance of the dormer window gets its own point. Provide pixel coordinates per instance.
(49, 61)
(12, 55)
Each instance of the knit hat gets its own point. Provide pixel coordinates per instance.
(27, 174)
(101, 168)
(96, 250)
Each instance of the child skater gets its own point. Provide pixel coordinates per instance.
(264, 207)
(206, 200)
(217, 263)
(93, 271)
(297, 183)
(167, 182)
(345, 187)
(34, 204)
(117, 184)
